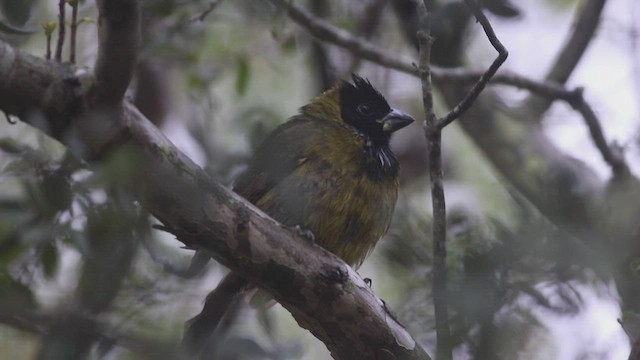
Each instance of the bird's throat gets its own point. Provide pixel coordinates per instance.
(380, 162)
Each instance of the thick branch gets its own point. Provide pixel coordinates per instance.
(119, 36)
(321, 291)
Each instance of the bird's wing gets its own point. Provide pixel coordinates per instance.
(276, 158)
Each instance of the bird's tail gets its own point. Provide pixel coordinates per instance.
(199, 329)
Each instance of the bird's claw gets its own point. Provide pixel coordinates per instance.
(305, 233)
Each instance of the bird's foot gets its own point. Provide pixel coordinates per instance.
(305, 233)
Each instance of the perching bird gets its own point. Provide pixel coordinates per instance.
(328, 170)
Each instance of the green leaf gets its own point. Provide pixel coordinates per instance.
(243, 74)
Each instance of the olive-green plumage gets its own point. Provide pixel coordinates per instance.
(328, 170)
(311, 172)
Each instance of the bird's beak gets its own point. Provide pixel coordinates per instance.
(395, 120)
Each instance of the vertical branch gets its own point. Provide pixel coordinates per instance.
(74, 28)
(49, 28)
(118, 40)
(61, 29)
(433, 134)
(48, 54)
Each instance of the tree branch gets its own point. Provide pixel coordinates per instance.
(321, 291)
(585, 27)
(582, 35)
(613, 156)
(576, 184)
(324, 31)
(477, 88)
(433, 136)
(550, 90)
(61, 29)
(74, 30)
(119, 37)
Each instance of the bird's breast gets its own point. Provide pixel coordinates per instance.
(333, 194)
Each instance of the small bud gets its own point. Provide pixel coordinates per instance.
(49, 27)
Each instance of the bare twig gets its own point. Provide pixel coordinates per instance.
(61, 29)
(484, 79)
(203, 15)
(74, 30)
(613, 156)
(433, 135)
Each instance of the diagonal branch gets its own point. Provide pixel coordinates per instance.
(323, 294)
(612, 155)
(582, 35)
(550, 90)
(585, 27)
(324, 31)
(477, 88)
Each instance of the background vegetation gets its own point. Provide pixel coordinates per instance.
(541, 182)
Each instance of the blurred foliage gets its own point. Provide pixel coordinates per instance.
(228, 72)
(16, 18)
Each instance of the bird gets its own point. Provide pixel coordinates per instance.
(328, 171)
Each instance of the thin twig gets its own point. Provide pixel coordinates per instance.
(472, 95)
(203, 15)
(61, 29)
(48, 28)
(48, 54)
(433, 135)
(613, 156)
(74, 30)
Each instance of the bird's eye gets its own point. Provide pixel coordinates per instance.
(365, 109)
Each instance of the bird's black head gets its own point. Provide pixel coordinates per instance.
(364, 108)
